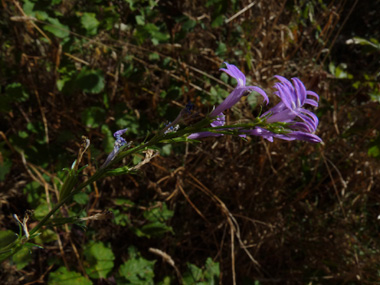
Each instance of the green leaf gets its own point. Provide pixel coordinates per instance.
(196, 275)
(31, 245)
(92, 117)
(28, 8)
(140, 20)
(165, 281)
(166, 150)
(6, 238)
(154, 56)
(160, 214)
(22, 258)
(61, 83)
(108, 141)
(374, 151)
(138, 271)
(119, 171)
(218, 21)
(69, 183)
(90, 23)
(16, 92)
(100, 260)
(123, 201)
(46, 236)
(64, 277)
(120, 218)
(81, 198)
(221, 50)
(5, 168)
(156, 229)
(156, 35)
(212, 272)
(372, 43)
(41, 15)
(90, 81)
(57, 29)
(41, 211)
(192, 275)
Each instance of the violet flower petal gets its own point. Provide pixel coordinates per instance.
(235, 72)
(300, 91)
(203, 135)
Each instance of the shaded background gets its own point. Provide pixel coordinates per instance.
(281, 212)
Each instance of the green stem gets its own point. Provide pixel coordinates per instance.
(154, 140)
(93, 178)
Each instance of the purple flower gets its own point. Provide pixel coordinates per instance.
(239, 91)
(117, 135)
(234, 97)
(117, 145)
(219, 122)
(293, 98)
(294, 135)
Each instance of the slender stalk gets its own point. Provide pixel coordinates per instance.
(156, 139)
(202, 125)
(93, 178)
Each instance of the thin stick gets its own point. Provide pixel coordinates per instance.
(240, 12)
(167, 258)
(191, 203)
(233, 255)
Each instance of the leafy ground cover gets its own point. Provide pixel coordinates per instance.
(221, 211)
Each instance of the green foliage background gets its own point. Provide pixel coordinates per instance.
(285, 212)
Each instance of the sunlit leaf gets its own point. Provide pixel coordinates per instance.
(64, 277)
(100, 260)
(138, 271)
(90, 23)
(56, 28)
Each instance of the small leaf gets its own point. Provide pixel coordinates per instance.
(212, 272)
(92, 117)
(91, 81)
(374, 151)
(218, 21)
(108, 141)
(138, 271)
(123, 201)
(120, 218)
(160, 214)
(64, 277)
(57, 29)
(22, 258)
(5, 168)
(100, 259)
(155, 229)
(221, 50)
(140, 20)
(17, 92)
(31, 245)
(41, 211)
(192, 275)
(90, 23)
(119, 171)
(6, 238)
(81, 198)
(46, 236)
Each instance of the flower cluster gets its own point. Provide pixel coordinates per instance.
(300, 123)
(288, 120)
